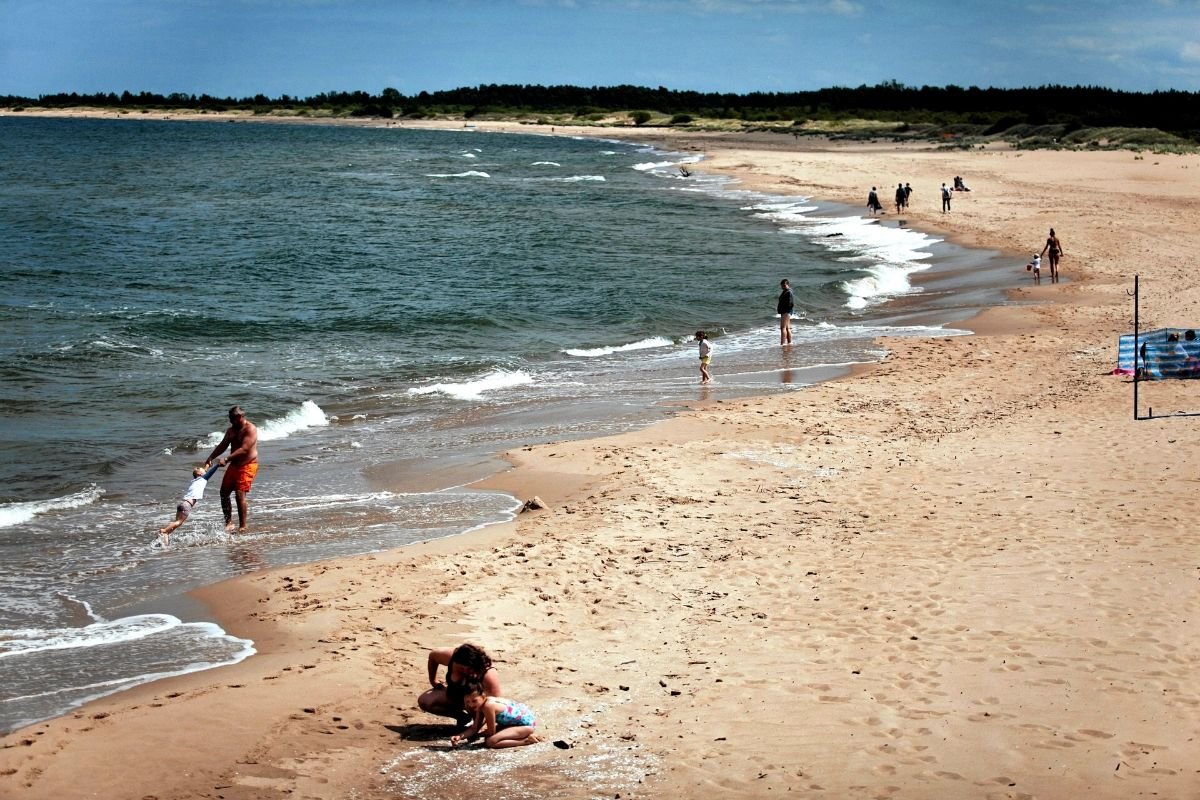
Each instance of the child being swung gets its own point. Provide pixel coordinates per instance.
(192, 495)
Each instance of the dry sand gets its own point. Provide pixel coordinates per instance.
(965, 573)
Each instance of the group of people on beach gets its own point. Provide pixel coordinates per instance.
(1052, 250)
(903, 194)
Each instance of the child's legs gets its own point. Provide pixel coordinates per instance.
(516, 736)
(181, 516)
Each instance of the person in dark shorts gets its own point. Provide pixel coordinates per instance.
(785, 307)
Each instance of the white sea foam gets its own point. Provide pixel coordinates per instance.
(17, 513)
(546, 164)
(471, 173)
(646, 166)
(201, 645)
(889, 256)
(644, 344)
(308, 415)
(469, 155)
(32, 640)
(568, 179)
(475, 389)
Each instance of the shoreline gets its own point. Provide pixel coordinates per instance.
(931, 562)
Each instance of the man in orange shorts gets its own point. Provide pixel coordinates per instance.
(241, 465)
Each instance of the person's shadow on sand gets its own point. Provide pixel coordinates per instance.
(423, 732)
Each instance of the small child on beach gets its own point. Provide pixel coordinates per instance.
(705, 355)
(191, 496)
(505, 723)
(1035, 266)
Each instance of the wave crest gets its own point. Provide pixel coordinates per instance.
(475, 389)
(16, 513)
(644, 344)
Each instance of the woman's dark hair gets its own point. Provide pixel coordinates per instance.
(473, 658)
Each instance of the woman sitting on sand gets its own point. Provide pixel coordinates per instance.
(463, 664)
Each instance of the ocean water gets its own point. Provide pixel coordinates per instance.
(393, 308)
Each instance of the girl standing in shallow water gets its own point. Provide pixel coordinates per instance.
(505, 723)
(705, 356)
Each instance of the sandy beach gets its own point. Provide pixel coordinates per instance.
(966, 572)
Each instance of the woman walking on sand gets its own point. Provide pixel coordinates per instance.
(1053, 250)
(873, 202)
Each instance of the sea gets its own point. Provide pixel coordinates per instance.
(394, 308)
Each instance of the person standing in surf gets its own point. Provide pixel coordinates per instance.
(241, 437)
(705, 356)
(785, 306)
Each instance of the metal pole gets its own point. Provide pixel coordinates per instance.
(1136, 351)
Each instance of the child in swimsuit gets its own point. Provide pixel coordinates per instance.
(191, 496)
(705, 355)
(505, 723)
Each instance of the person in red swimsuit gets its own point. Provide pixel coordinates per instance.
(241, 437)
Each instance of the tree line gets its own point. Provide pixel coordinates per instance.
(1174, 111)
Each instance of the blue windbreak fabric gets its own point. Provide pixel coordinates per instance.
(1164, 353)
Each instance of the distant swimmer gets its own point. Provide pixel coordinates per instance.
(241, 437)
(192, 495)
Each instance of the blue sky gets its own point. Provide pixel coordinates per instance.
(303, 47)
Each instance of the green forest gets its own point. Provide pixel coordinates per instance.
(1046, 115)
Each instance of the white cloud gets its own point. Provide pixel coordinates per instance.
(1190, 51)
